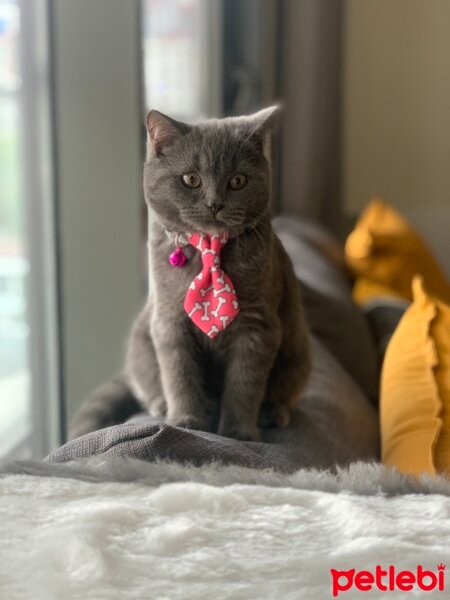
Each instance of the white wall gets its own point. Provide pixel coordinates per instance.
(396, 131)
(98, 137)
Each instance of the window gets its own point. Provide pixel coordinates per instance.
(14, 328)
(182, 57)
(26, 280)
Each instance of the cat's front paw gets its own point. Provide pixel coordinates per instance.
(189, 422)
(245, 434)
(158, 407)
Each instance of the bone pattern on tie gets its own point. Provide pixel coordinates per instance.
(211, 300)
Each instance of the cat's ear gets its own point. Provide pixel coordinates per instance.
(264, 120)
(163, 131)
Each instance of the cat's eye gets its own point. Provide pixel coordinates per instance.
(191, 180)
(237, 182)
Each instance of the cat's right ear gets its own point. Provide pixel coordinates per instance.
(163, 131)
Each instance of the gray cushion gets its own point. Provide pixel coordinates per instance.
(383, 315)
(333, 424)
(330, 311)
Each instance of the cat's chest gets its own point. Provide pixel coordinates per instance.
(172, 281)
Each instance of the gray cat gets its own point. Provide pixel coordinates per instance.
(213, 178)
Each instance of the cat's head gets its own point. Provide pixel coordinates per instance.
(211, 177)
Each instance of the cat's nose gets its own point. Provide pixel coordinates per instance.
(215, 207)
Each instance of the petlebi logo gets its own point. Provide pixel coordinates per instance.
(388, 580)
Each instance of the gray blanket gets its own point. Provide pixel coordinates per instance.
(333, 424)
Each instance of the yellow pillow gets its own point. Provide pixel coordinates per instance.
(385, 253)
(415, 388)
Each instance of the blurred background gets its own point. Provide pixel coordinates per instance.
(366, 90)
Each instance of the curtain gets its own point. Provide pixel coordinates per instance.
(310, 82)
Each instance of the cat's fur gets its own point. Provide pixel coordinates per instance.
(255, 369)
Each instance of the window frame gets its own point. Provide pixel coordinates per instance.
(40, 227)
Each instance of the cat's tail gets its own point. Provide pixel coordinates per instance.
(111, 404)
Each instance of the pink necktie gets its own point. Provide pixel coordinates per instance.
(211, 300)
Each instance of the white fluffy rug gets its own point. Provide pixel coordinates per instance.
(84, 531)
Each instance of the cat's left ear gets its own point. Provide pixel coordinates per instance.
(264, 120)
(163, 131)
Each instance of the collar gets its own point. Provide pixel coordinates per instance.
(181, 239)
